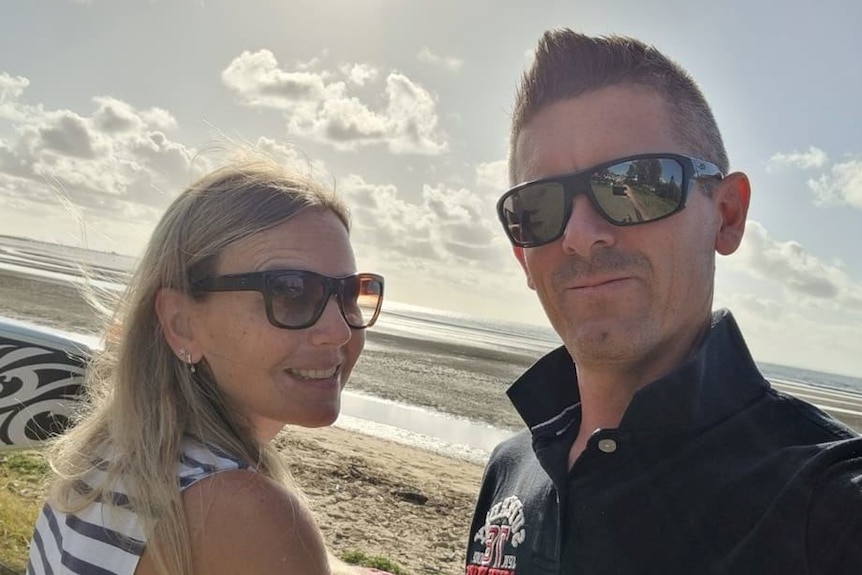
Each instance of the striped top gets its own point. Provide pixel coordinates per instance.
(106, 537)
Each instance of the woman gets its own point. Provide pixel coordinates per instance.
(245, 313)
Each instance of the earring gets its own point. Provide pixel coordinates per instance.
(186, 357)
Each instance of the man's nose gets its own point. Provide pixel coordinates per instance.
(586, 229)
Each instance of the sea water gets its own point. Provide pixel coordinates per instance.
(492, 333)
(408, 424)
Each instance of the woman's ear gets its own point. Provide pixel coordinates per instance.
(733, 195)
(173, 309)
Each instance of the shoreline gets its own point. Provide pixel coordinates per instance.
(464, 381)
(367, 493)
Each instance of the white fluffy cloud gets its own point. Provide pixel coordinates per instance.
(448, 62)
(115, 116)
(813, 158)
(841, 185)
(360, 74)
(798, 272)
(449, 226)
(112, 160)
(317, 106)
(11, 87)
(258, 80)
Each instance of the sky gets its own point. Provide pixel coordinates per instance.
(108, 108)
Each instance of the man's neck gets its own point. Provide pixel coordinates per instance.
(606, 389)
(605, 397)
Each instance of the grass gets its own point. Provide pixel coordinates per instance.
(22, 483)
(354, 557)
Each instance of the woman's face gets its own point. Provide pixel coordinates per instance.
(279, 376)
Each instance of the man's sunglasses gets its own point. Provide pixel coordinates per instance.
(295, 299)
(626, 192)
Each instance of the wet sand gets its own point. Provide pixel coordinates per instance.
(369, 494)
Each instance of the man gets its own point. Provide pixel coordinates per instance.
(654, 444)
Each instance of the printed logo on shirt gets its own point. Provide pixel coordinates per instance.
(498, 539)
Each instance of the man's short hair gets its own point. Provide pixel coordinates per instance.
(568, 64)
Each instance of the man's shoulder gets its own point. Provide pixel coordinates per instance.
(513, 451)
(808, 418)
(839, 470)
(834, 526)
(514, 463)
(518, 441)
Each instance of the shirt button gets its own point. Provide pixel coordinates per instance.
(607, 445)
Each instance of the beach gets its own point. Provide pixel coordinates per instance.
(383, 498)
(373, 495)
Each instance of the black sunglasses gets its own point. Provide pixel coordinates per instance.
(626, 192)
(295, 299)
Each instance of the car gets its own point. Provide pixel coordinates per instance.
(41, 383)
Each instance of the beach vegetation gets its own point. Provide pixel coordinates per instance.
(356, 557)
(23, 478)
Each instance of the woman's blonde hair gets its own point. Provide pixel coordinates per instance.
(142, 401)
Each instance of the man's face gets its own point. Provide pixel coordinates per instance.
(630, 296)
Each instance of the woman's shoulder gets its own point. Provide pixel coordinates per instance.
(241, 521)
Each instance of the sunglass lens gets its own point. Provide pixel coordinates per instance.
(639, 190)
(361, 300)
(535, 214)
(296, 298)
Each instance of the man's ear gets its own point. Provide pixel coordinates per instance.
(173, 308)
(733, 195)
(519, 255)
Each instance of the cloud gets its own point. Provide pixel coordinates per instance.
(115, 116)
(413, 118)
(11, 87)
(493, 175)
(449, 226)
(112, 160)
(360, 74)
(789, 265)
(813, 158)
(295, 159)
(68, 134)
(347, 122)
(841, 185)
(448, 62)
(257, 79)
(780, 332)
(316, 107)
(765, 308)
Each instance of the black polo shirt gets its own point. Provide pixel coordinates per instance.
(710, 471)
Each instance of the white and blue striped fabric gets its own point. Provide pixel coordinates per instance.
(106, 537)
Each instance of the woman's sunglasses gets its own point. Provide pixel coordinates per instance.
(626, 192)
(295, 299)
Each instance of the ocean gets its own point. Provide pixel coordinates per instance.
(417, 426)
(64, 262)
(450, 326)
